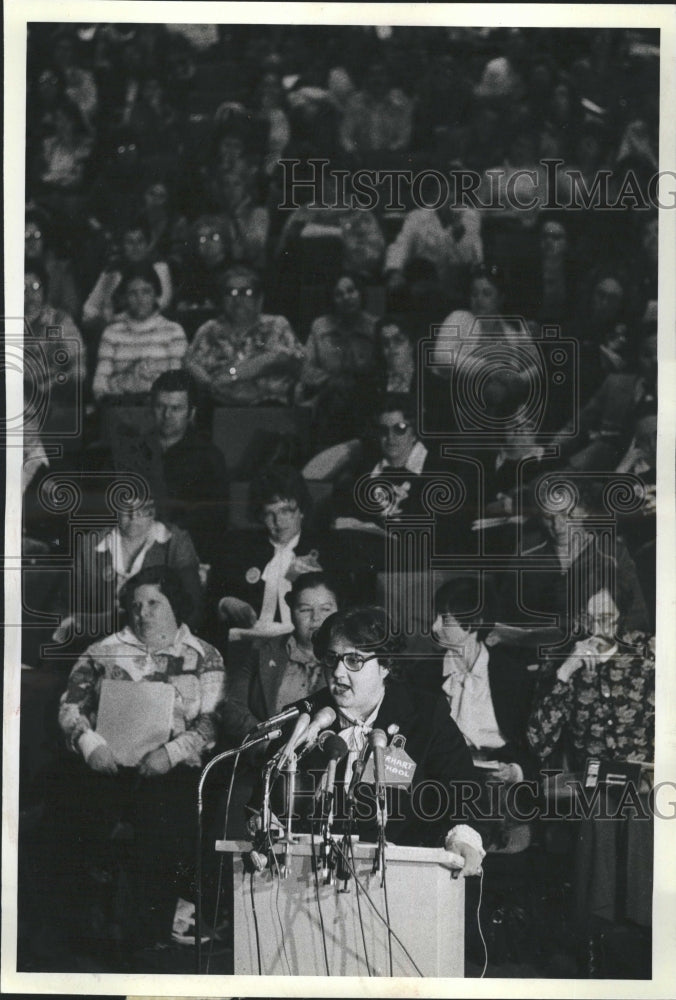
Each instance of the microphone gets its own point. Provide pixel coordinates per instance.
(278, 720)
(324, 718)
(378, 742)
(335, 748)
(357, 771)
(293, 741)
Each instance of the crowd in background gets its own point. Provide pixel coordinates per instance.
(280, 385)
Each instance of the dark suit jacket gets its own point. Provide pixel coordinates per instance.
(423, 814)
(237, 571)
(512, 689)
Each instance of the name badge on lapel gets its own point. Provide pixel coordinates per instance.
(399, 766)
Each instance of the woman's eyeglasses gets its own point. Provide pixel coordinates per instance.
(353, 661)
(384, 430)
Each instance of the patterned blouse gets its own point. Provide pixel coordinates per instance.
(608, 710)
(192, 666)
(217, 348)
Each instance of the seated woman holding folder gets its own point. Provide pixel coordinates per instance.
(140, 713)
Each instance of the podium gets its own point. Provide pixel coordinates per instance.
(277, 926)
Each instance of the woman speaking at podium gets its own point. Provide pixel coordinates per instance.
(426, 763)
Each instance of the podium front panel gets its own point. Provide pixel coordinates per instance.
(278, 927)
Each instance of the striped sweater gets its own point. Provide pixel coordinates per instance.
(133, 353)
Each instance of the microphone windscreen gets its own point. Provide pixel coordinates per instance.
(334, 746)
(377, 738)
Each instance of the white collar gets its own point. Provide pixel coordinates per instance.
(414, 463)
(478, 670)
(283, 546)
(183, 637)
(158, 533)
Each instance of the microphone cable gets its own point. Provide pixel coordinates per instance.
(381, 917)
(478, 921)
(255, 917)
(317, 896)
(361, 918)
(277, 891)
(387, 904)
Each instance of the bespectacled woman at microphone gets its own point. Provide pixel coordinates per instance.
(357, 649)
(283, 669)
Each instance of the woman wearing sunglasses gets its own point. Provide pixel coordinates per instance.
(359, 656)
(392, 455)
(245, 357)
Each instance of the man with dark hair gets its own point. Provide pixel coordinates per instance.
(186, 472)
(195, 477)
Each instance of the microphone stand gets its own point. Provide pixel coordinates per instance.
(326, 849)
(381, 807)
(265, 738)
(291, 769)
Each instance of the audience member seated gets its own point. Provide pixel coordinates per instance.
(245, 357)
(55, 377)
(582, 559)
(601, 329)
(449, 238)
(42, 248)
(137, 347)
(600, 701)
(489, 688)
(401, 458)
(64, 156)
(139, 541)
(549, 290)
(257, 570)
(358, 231)
(104, 302)
(468, 338)
(339, 355)
(378, 118)
(397, 371)
(139, 783)
(200, 273)
(607, 422)
(281, 670)
(191, 485)
(602, 694)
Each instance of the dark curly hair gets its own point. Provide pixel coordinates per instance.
(170, 584)
(366, 627)
(309, 581)
(145, 272)
(462, 596)
(278, 482)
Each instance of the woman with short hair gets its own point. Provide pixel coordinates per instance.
(146, 775)
(141, 344)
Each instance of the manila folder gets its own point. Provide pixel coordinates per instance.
(134, 718)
